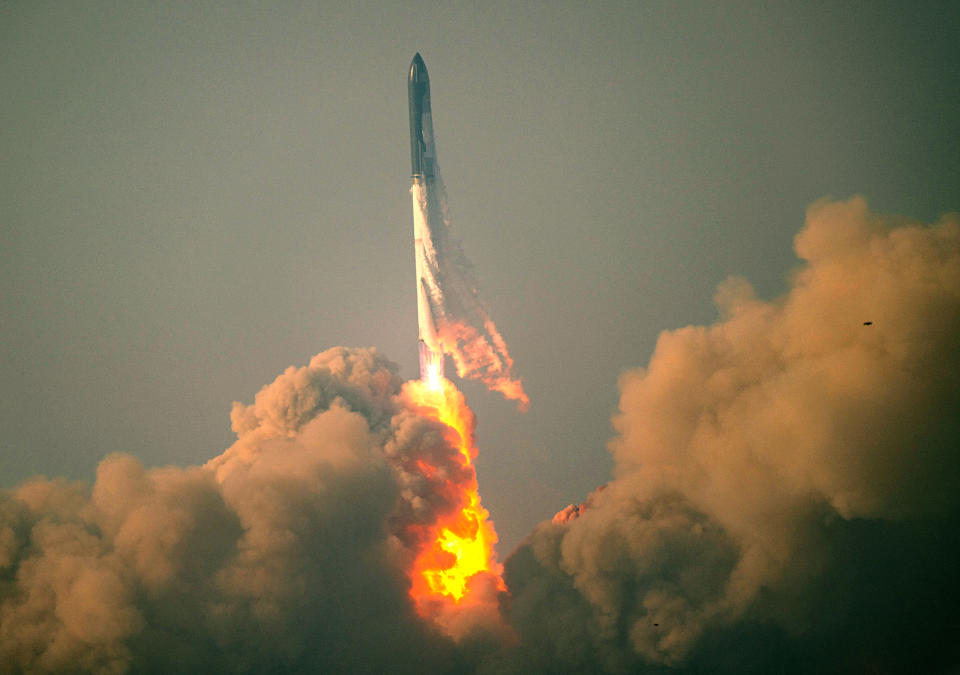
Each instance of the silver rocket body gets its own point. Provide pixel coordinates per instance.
(423, 166)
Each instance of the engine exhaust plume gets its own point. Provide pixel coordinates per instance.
(455, 570)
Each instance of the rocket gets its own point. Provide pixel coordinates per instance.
(422, 165)
(422, 151)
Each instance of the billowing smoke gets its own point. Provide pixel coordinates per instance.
(784, 501)
(786, 489)
(287, 553)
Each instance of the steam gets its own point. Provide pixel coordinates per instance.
(462, 323)
(785, 489)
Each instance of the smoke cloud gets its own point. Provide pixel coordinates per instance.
(785, 494)
(288, 552)
(784, 500)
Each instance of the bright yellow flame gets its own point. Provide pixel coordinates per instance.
(469, 552)
(462, 545)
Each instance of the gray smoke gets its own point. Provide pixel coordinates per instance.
(785, 496)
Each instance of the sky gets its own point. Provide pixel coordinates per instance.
(196, 195)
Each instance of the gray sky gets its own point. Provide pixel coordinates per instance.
(195, 195)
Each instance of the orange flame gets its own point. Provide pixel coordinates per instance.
(455, 564)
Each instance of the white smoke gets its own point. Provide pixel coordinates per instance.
(461, 320)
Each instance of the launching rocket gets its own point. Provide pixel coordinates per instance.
(422, 150)
(422, 160)
(451, 318)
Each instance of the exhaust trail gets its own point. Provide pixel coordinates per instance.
(452, 318)
(456, 580)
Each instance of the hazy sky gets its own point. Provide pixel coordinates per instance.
(195, 195)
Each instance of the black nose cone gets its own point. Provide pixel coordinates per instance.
(418, 69)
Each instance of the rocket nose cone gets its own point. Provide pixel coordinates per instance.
(418, 70)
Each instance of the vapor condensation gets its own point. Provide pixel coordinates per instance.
(462, 322)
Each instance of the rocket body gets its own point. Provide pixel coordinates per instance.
(422, 151)
(422, 165)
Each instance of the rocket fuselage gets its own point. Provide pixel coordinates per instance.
(422, 151)
(423, 166)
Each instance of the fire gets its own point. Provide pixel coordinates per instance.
(456, 563)
(434, 377)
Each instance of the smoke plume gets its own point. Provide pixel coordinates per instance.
(289, 552)
(784, 500)
(463, 325)
(785, 496)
